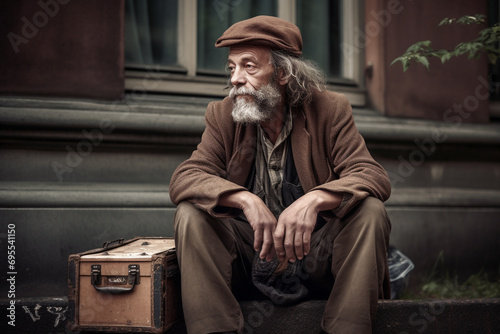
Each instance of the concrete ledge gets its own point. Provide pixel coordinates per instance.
(83, 195)
(481, 316)
(73, 195)
(184, 117)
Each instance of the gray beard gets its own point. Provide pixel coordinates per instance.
(260, 108)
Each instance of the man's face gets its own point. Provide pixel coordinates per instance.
(250, 66)
(255, 92)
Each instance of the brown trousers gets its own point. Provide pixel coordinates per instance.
(347, 262)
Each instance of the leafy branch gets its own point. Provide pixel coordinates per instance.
(487, 41)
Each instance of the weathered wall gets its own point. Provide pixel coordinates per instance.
(444, 92)
(62, 48)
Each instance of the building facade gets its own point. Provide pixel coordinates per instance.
(101, 100)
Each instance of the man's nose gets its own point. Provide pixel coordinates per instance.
(238, 77)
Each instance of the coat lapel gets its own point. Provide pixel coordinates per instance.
(243, 154)
(302, 150)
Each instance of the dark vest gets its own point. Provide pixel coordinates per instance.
(291, 187)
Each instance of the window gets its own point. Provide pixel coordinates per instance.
(151, 33)
(175, 39)
(320, 24)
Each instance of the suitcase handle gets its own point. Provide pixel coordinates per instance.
(133, 278)
(108, 244)
(112, 289)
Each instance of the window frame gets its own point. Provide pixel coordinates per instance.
(184, 79)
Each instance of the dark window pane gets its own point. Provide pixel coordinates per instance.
(214, 17)
(320, 22)
(151, 32)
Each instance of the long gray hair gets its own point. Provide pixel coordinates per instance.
(304, 77)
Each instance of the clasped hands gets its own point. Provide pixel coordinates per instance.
(289, 236)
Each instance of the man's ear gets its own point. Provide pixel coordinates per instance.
(282, 79)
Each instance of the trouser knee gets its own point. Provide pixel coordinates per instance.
(372, 211)
(196, 230)
(187, 217)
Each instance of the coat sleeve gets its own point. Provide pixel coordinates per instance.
(358, 175)
(201, 179)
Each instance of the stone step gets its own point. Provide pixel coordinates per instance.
(481, 316)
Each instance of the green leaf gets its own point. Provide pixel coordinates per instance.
(419, 46)
(466, 20)
(396, 60)
(445, 57)
(471, 19)
(423, 60)
(446, 21)
(406, 64)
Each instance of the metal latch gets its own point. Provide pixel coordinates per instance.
(134, 274)
(95, 274)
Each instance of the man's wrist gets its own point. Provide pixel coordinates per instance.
(236, 199)
(326, 200)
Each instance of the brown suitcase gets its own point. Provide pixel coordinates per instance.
(126, 286)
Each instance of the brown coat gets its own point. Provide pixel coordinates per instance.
(329, 154)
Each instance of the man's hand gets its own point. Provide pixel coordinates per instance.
(258, 215)
(292, 238)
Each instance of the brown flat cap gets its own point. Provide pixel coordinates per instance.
(264, 30)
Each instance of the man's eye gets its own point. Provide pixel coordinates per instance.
(250, 66)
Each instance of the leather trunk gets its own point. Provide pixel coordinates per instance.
(126, 286)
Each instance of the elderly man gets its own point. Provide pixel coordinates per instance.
(281, 196)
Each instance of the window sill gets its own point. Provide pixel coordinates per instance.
(172, 83)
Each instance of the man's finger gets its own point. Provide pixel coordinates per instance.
(306, 239)
(289, 245)
(298, 245)
(257, 242)
(278, 241)
(267, 243)
(271, 253)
